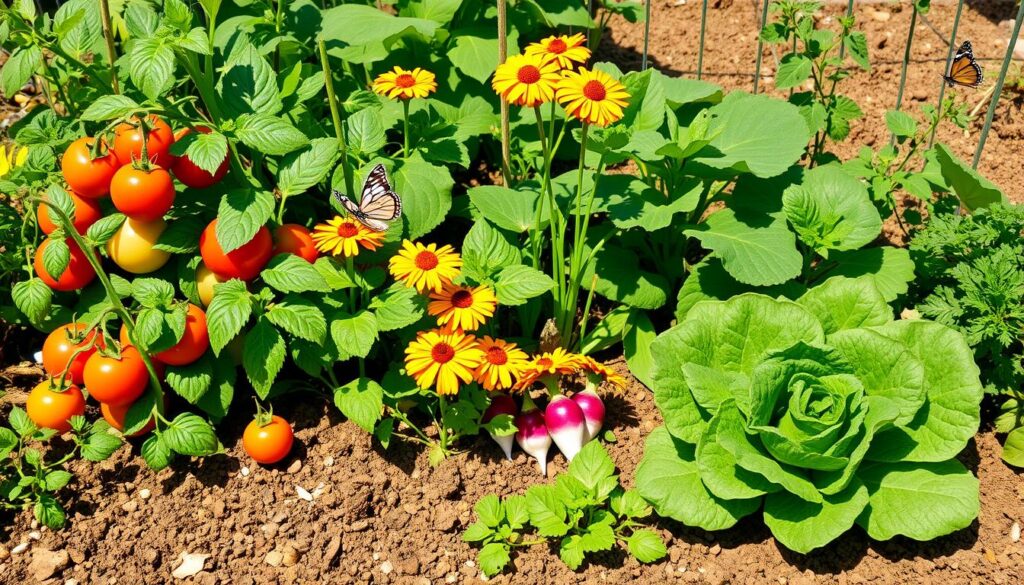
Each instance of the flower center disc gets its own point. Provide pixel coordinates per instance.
(557, 46)
(594, 90)
(442, 353)
(462, 299)
(528, 74)
(426, 260)
(347, 229)
(497, 356)
(545, 363)
(405, 80)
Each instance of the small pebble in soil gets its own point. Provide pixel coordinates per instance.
(303, 493)
(295, 466)
(19, 549)
(274, 558)
(35, 535)
(328, 461)
(386, 567)
(145, 494)
(1015, 532)
(244, 471)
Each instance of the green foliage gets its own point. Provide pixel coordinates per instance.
(971, 278)
(33, 472)
(585, 511)
(825, 409)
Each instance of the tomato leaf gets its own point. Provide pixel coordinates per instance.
(110, 107)
(301, 170)
(228, 313)
(49, 512)
(100, 443)
(156, 453)
(191, 382)
(104, 229)
(242, 212)
(189, 434)
(362, 401)
(299, 317)
(56, 257)
(33, 298)
(263, 356)
(354, 334)
(288, 273)
(269, 134)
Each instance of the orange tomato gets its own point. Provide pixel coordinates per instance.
(116, 381)
(292, 238)
(270, 442)
(192, 344)
(62, 343)
(128, 141)
(189, 173)
(143, 195)
(88, 177)
(115, 414)
(51, 409)
(244, 262)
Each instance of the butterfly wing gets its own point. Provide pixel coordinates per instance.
(347, 203)
(375, 186)
(964, 70)
(379, 204)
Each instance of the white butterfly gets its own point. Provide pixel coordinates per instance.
(378, 204)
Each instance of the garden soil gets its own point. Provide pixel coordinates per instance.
(342, 510)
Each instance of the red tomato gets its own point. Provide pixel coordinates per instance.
(51, 409)
(143, 195)
(122, 338)
(192, 345)
(89, 178)
(268, 443)
(189, 173)
(128, 141)
(78, 273)
(245, 262)
(292, 238)
(87, 212)
(116, 381)
(114, 415)
(62, 343)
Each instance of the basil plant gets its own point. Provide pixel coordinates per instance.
(823, 410)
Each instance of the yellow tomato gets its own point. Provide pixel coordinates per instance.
(205, 280)
(131, 248)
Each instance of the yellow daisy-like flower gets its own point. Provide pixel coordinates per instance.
(527, 80)
(598, 372)
(502, 364)
(444, 359)
(405, 84)
(425, 267)
(593, 97)
(566, 50)
(462, 307)
(343, 236)
(9, 159)
(549, 365)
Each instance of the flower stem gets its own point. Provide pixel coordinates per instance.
(405, 117)
(108, 34)
(506, 152)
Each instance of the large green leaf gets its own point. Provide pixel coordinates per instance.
(475, 51)
(755, 249)
(668, 478)
(249, 84)
(804, 526)
(830, 210)
(709, 280)
(720, 473)
(510, 209)
(647, 208)
(426, 194)
(844, 303)
(755, 134)
(890, 268)
(973, 190)
(620, 279)
(952, 410)
(356, 24)
(918, 500)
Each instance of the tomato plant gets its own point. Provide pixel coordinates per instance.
(143, 193)
(133, 246)
(76, 273)
(52, 408)
(268, 438)
(244, 262)
(88, 176)
(128, 141)
(193, 343)
(116, 380)
(67, 348)
(292, 238)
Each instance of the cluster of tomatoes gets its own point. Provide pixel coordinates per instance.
(135, 172)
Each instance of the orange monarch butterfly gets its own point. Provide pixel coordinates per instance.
(964, 70)
(378, 204)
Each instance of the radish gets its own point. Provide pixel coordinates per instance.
(566, 424)
(593, 411)
(502, 404)
(532, 434)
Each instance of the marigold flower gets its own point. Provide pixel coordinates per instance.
(593, 97)
(527, 80)
(9, 159)
(502, 364)
(566, 50)
(444, 359)
(405, 84)
(550, 365)
(598, 372)
(462, 307)
(343, 236)
(425, 267)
